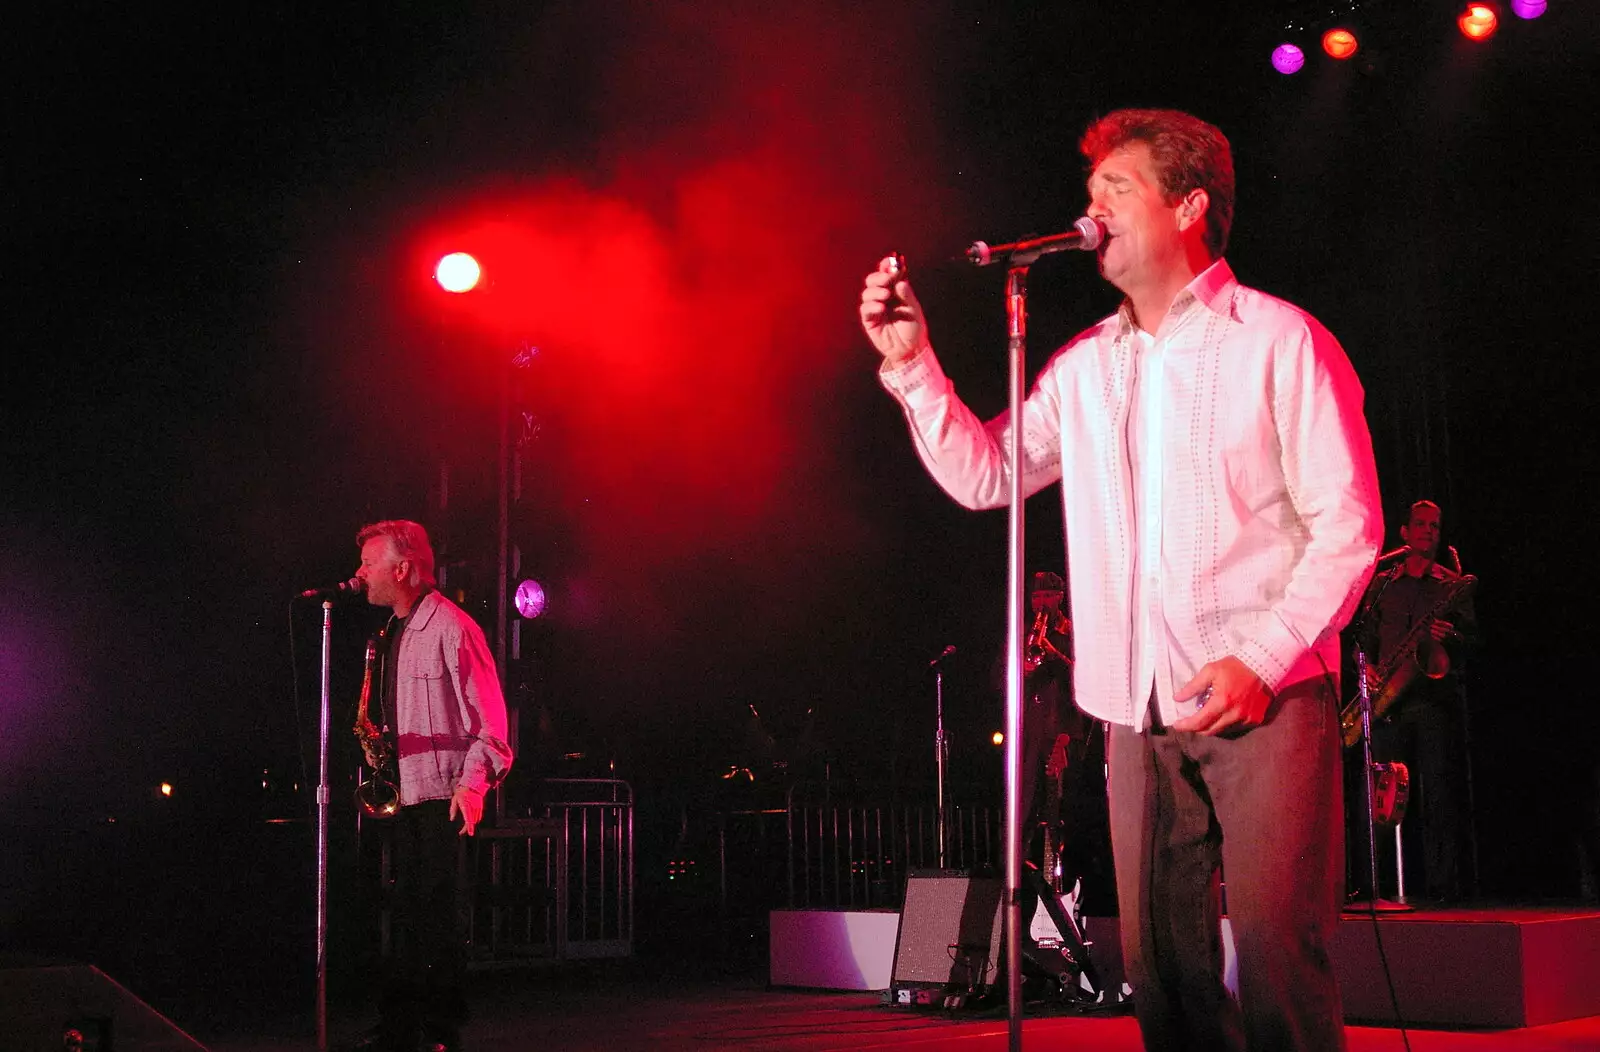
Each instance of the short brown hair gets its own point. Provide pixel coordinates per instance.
(1188, 153)
(1423, 503)
(410, 542)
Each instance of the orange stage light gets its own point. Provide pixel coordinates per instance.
(1339, 43)
(1478, 22)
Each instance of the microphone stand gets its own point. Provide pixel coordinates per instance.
(1375, 903)
(322, 831)
(941, 751)
(1022, 255)
(1466, 747)
(1016, 627)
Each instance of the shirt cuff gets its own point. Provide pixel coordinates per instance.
(918, 373)
(1271, 655)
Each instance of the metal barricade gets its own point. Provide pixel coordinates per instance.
(857, 856)
(559, 886)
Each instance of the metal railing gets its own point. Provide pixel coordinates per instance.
(558, 886)
(561, 885)
(854, 856)
(858, 856)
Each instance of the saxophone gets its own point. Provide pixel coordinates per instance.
(1038, 649)
(1388, 681)
(377, 796)
(1033, 649)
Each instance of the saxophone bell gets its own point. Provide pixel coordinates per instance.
(377, 796)
(1033, 650)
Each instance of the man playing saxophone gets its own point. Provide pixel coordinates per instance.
(441, 696)
(1417, 624)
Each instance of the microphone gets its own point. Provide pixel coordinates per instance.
(951, 649)
(1404, 549)
(354, 586)
(1086, 235)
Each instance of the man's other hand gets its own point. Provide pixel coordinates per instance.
(1237, 698)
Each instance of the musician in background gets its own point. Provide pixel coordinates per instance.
(1426, 726)
(1048, 713)
(442, 698)
(1063, 783)
(1057, 812)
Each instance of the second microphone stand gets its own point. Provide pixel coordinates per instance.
(941, 750)
(1374, 904)
(323, 722)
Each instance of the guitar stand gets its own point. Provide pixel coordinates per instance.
(1068, 963)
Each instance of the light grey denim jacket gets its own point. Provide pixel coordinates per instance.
(450, 712)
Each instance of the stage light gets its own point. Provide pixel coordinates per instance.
(1287, 59)
(998, 737)
(1478, 22)
(1527, 8)
(457, 272)
(166, 788)
(530, 599)
(1339, 43)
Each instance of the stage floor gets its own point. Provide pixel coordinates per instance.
(622, 1005)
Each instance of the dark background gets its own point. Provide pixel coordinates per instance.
(224, 355)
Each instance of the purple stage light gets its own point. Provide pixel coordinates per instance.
(1528, 8)
(1287, 59)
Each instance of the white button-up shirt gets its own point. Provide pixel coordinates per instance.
(1218, 485)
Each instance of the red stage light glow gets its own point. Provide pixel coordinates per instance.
(1478, 22)
(689, 372)
(458, 272)
(1339, 43)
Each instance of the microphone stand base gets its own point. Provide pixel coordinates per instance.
(1381, 906)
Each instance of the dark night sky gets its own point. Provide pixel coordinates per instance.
(223, 358)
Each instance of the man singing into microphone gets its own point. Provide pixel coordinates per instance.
(442, 700)
(1222, 514)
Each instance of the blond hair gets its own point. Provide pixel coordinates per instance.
(410, 542)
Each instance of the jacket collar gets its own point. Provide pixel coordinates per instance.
(422, 613)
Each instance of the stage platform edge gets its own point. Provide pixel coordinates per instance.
(843, 949)
(1499, 968)
(825, 949)
(40, 1004)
